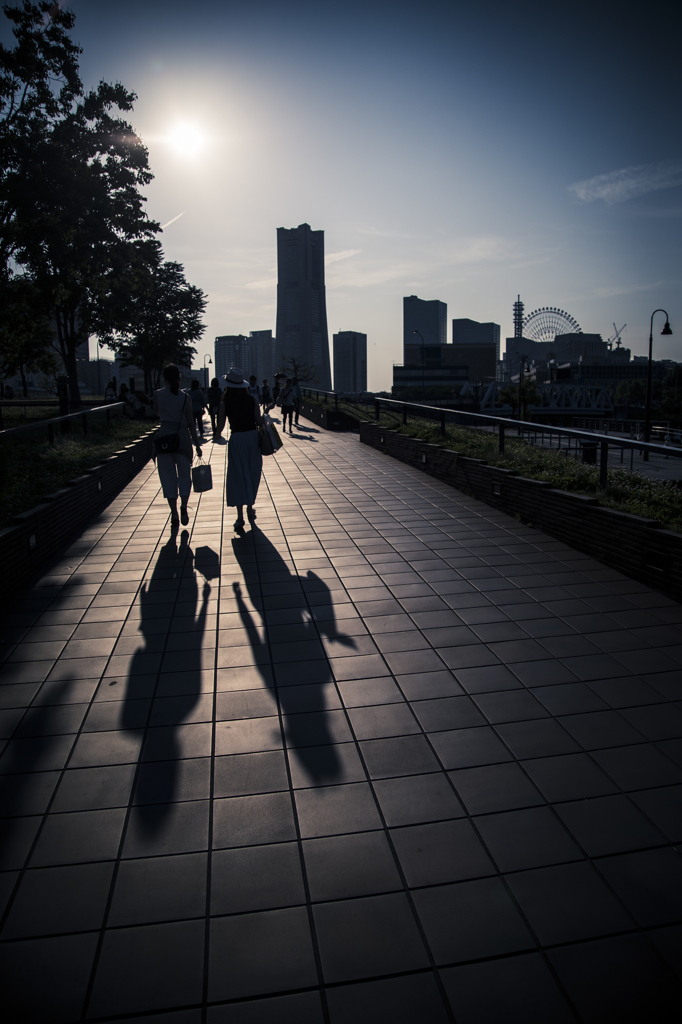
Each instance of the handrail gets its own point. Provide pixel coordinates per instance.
(60, 419)
(605, 441)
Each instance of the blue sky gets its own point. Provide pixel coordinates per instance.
(465, 152)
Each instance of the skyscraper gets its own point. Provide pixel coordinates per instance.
(232, 350)
(350, 362)
(301, 302)
(477, 346)
(427, 317)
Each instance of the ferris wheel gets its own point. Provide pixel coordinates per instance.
(544, 324)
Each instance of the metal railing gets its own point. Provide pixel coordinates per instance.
(64, 421)
(502, 425)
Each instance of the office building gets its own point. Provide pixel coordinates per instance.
(477, 346)
(429, 317)
(262, 355)
(301, 301)
(350, 362)
(232, 350)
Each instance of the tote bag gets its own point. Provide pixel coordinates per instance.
(202, 478)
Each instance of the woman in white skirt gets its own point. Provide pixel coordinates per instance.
(175, 412)
(244, 459)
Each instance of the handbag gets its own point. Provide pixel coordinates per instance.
(166, 444)
(202, 478)
(268, 438)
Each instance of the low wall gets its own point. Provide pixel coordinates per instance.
(638, 547)
(37, 536)
(327, 416)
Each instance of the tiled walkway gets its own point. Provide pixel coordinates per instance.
(435, 755)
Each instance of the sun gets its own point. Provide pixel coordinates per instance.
(187, 140)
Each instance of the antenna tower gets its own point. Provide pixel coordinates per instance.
(518, 318)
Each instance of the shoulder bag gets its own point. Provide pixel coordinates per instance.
(167, 444)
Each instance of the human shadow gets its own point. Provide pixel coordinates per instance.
(311, 734)
(172, 707)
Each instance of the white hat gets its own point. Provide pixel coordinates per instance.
(234, 378)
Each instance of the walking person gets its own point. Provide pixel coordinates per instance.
(275, 391)
(286, 398)
(265, 392)
(244, 459)
(254, 388)
(297, 399)
(174, 410)
(199, 403)
(215, 393)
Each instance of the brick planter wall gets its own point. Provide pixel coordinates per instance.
(327, 417)
(38, 535)
(638, 547)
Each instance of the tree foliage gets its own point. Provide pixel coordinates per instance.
(26, 333)
(292, 366)
(164, 317)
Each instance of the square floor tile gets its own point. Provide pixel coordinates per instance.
(447, 713)
(616, 979)
(464, 748)
(568, 903)
(510, 706)
(159, 889)
(340, 867)
(367, 937)
(404, 755)
(46, 979)
(253, 954)
(417, 798)
(638, 767)
(357, 693)
(332, 810)
(664, 807)
(445, 851)
(51, 901)
(568, 777)
(429, 685)
(487, 679)
(162, 965)
(516, 990)
(609, 824)
(471, 920)
(526, 838)
(256, 878)
(157, 829)
(246, 774)
(79, 837)
(253, 820)
(537, 738)
(411, 997)
(649, 883)
(495, 787)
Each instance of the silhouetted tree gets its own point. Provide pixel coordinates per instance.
(164, 318)
(292, 367)
(26, 333)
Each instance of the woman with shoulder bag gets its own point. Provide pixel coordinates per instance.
(174, 409)
(244, 459)
(286, 398)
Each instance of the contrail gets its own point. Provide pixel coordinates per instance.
(629, 182)
(172, 221)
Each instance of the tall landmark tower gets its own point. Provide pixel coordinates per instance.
(301, 302)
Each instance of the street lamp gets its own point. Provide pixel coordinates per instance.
(647, 420)
(206, 370)
(423, 343)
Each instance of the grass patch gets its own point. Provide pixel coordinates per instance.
(626, 491)
(31, 468)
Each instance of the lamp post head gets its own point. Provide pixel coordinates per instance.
(666, 329)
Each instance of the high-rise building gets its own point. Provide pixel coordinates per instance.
(301, 302)
(429, 317)
(232, 350)
(262, 355)
(350, 362)
(478, 346)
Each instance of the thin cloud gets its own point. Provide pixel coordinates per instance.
(172, 220)
(629, 182)
(334, 257)
(271, 282)
(607, 293)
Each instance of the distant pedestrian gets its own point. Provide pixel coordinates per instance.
(286, 398)
(199, 403)
(215, 393)
(174, 409)
(254, 388)
(244, 459)
(276, 391)
(265, 393)
(297, 399)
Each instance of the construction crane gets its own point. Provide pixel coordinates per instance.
(616, 336)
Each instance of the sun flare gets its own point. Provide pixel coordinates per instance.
(187, 140)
